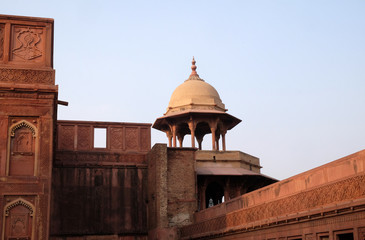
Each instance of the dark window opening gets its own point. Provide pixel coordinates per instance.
(214, 194)
(345, 236)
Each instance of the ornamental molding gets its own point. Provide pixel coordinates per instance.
(18, 202)
(22, 124)
(13, 75)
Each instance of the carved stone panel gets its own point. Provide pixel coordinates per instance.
(145, 139)
(18, 220)
(10, 75)
(362, 233)
(131, 138)
(66, 137)
(83, 137)
(309, 237)
(27, 44)
(116, 138)
(1, 41)
(22, 149)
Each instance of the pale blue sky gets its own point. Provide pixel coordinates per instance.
(293, 71)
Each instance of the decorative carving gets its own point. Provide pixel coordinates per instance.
(309, 237)
(1, 41)
(66, 137)
(27, 76)
(362, 233)
(19, 224)
(18, 220)
(145, 139)
(131, 138)
(22, 143)
(351, 188)
(27, 41)
(116, 138)
(22, 149)
(83, 138)
(23, 124)
(17, 203)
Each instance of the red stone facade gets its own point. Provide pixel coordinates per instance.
(100, 191)
(328, 201)
(58, 181)
(28, 102)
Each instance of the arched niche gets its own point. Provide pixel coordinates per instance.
(22, 149)
(18, 222)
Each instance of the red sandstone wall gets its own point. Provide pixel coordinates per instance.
(28, 105)
(328, 199)
(100, 192)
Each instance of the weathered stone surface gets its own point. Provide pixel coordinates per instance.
(28, 99)
(330, 191)
(172, 197)
(99, 191)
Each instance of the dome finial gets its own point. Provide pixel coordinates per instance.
(193, 68)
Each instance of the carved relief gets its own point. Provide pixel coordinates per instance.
(18, 220)
(66, 137)
(309, 237)
(83, 138)
(1, 41)
(27, 76)
(22, 149)
(131, 138)
(361, 233)
(352, 188)
(116, 138)
(26, 45)
(145, 139)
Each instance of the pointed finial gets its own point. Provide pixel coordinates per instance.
(193, 68)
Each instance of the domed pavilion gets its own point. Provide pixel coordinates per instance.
(196, 108)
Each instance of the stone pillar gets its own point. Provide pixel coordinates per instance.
(192, 131)
(217, 137)
(174, 135)
(181, 140)
(224, 140)
(169, 137)
(213, 127)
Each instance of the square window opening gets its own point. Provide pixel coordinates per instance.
(99, 137)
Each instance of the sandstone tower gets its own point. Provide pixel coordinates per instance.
(28, 111)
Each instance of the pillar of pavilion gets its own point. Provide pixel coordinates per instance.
(196, 109)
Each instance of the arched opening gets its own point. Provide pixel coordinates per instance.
(202, 128)
(182, 130)
(214, 194)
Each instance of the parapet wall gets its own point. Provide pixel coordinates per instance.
(100, 191)
(303, 195)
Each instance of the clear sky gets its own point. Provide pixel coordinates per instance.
(293, 71)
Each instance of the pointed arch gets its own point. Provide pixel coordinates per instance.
(22, 149)
(18, 220)
(20, 124)
(17, 202)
